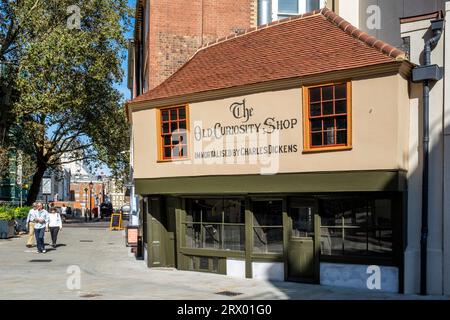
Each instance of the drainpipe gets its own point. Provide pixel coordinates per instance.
(426, 74)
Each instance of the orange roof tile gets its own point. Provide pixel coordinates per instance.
(313, 43)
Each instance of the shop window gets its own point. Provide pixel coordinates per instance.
(327, 117)
(267, 227)
(215, 224)
(173, 133)
(356, 227)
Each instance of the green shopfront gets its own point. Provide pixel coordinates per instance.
(335, 235)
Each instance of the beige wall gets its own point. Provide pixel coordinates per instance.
(380, 134)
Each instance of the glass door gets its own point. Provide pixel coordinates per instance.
(303, 246)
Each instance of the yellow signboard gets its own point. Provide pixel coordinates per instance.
(116, 222)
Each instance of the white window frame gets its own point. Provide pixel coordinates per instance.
(301, 9)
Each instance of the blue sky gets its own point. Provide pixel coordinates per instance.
(122, 87)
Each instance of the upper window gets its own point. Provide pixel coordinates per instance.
(327, 121)
(173, 133)
(286, 8)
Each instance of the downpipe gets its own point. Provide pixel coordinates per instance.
(427, 73)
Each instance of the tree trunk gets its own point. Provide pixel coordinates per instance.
(36, 184)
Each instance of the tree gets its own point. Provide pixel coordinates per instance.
(68, 109)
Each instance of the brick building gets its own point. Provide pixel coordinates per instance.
(167, 33)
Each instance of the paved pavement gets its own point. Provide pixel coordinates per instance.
(108, 271)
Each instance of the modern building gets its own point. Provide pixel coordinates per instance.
(269, 161)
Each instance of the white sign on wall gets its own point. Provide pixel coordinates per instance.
(46, 186)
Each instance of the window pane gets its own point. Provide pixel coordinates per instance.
(316, 125)
(331, 241)
(234, 211)
(315, 110)
(212, 233)
(328, 124)
(193, 210)
(355, 242)
(173, 126)
(267, 213)
(329, 138)
(165, 115)
(341, 137)
(173, 114)
(341, 123)
(341, 106)
(327, 93)
(167, 152)
(331, 212)
(314, 95)
(165, 128)
(193, 236)
(182, 124)
(355, 238)
(167, 140)
(312, 5)
(212, 210)
(179, 151)
(328, 108)
(288, 6)
(302, 221)
(316, 139)
(182, 113)
(234, 237)
(341, 91)
(268, 240)
(175, 139)
(380, 228)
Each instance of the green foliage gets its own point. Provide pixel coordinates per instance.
(68, 108)
(6, 213)
(10, 213)
(21, 213)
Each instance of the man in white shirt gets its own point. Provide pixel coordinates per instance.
(40, 219)
(30, 226)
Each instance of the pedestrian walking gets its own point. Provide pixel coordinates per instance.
(30, 226)
(40, 218)
(64, 212)
(55, 225)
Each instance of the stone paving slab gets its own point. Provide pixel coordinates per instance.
(108, 271)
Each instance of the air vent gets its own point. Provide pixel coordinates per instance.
(41, 260)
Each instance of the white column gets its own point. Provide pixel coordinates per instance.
(349, 10)
(446, 212)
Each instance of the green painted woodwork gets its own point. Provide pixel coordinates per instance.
(281, 183)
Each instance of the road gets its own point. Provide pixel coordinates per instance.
(92, 262)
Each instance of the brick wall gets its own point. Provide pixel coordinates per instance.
(179, 28)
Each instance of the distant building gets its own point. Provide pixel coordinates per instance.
(55, 185)
(116, 194)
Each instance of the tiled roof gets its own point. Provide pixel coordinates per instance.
(313, 43)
